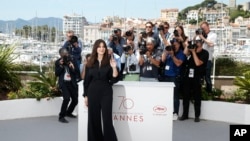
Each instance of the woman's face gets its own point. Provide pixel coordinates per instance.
(179, 30)
(101, 49)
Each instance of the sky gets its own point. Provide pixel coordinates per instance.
(93, 10)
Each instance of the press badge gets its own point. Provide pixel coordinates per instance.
(149, 68)
(167, 67)
(191, 73)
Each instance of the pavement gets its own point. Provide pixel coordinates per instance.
(49, 129)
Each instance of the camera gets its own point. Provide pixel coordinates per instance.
(115, 31)
(143, 48)
(132, 67)
(128, 33)
(144, 34)
(73, 39)
(160, 28)
(200, 31)
(66, 60)
(115, 38)
(191, 45)
(169, 48)
(176, 33)
(127, 48)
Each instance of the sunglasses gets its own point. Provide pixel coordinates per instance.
(166, 27)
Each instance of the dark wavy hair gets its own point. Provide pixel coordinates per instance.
(94, 54)
(183, 33)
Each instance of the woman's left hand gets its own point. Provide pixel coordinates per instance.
(112, 62)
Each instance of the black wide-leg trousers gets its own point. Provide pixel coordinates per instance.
(100, 99)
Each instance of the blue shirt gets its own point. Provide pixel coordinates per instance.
(170, 68)
(75, 52)
(118, 49)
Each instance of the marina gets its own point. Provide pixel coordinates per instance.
(39, 53)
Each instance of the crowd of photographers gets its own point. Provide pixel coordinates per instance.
(155, 55)
(163, 56)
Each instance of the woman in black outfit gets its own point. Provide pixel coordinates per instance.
(101, 73)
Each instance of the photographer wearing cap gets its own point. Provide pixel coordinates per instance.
(195, 67)
(149, 61)
(116, 41)
(67, 71)
(173, 58)
(209, 39)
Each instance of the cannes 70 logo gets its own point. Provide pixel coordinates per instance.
(125, 103)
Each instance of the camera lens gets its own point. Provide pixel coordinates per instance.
(176, 33)
(128, 33)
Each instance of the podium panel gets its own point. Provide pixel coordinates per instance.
(141, 111)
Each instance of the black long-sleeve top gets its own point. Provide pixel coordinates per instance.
(96, 73)
(60, 71)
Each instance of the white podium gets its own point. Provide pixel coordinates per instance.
(142, 111)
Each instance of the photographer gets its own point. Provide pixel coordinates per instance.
(164, 35)
(149, 33)
(74, 49)
(173, 58)
(129, 34)
(209, 39)
(179, 35)
(149, 61)
(69, 34)
(129, 42)
(116, 42)
(195, 67)
(132, 64)
(67, 71)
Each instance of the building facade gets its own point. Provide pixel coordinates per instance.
(74, 22)
(170, 15)
(232, 4)
(214, 16)
(246, 6)
(193, 14)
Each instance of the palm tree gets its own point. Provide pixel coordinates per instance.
(46, 84)
(9, 81)
(244, 84)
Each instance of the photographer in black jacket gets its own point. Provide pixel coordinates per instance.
(67, 71)
(195, 68)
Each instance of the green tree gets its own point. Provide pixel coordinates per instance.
(27, 31)
(193, 21)
(9, 81)
(46, 84)
(244, 84)
(41, 33)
